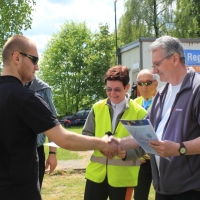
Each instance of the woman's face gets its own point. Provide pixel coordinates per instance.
(116, 91)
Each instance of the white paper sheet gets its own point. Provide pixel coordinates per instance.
(51, 144)
(142, 131)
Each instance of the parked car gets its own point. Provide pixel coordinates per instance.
(78, 118)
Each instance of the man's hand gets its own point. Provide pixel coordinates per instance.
(111, 148)
(52, 162)
(165, 148)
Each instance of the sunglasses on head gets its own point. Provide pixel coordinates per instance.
(146, 83)
(34, 59)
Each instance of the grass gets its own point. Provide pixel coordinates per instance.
(68, 185)
(64, 186)
(63, 154)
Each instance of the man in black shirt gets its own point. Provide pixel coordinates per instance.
(23, 115)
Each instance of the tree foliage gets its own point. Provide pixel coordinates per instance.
(74, 62)
(147, 18)
(154, 18)
(185, 24)
(14, 18)
(195, 11)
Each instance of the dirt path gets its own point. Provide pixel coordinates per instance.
(75, 164)
(85, 155)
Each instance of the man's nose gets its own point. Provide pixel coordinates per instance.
(37, 67)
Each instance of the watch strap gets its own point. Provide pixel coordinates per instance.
(52, 152)
(182, 149)
(108, 133)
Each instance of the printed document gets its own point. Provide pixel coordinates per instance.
(142, 131)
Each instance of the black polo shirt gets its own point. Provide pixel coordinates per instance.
(23, 114)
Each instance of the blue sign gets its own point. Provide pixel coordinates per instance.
(192, 57)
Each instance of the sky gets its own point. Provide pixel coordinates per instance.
(50, 15)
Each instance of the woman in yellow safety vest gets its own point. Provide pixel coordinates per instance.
(116, 177)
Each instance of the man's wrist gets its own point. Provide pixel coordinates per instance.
(182, 150)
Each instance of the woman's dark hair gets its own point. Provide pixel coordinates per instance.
(118, 73)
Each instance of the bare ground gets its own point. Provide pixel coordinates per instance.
(75, 164)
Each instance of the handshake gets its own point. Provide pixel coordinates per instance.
(117, 146)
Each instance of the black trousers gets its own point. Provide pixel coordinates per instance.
(189, 195)
(101, 191)
(141, 191)
(41, 156)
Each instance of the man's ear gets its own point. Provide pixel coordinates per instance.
(176, 58)
(15, 57)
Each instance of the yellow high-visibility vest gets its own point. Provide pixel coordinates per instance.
(120, 173)
(139, 100)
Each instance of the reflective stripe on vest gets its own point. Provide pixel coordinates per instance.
(115, 162)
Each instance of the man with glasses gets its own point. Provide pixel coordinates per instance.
(23, 115)
(116, 177)
(146, 84)
(175, 116)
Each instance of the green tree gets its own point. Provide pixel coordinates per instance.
(195, 11)
(14, 18)
(153, 18)
(147, 18)
(74, 62)
(185, 24)
(100, 56)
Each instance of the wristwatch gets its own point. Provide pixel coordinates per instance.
(52, 152)
(182, 150)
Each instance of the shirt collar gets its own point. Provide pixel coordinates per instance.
(146, 103)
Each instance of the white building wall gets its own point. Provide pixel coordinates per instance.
(138, 57)
(130, 59)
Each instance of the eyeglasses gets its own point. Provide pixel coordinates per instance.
(146, 83)
(108, 89)
(34, 59)
(157, 64)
